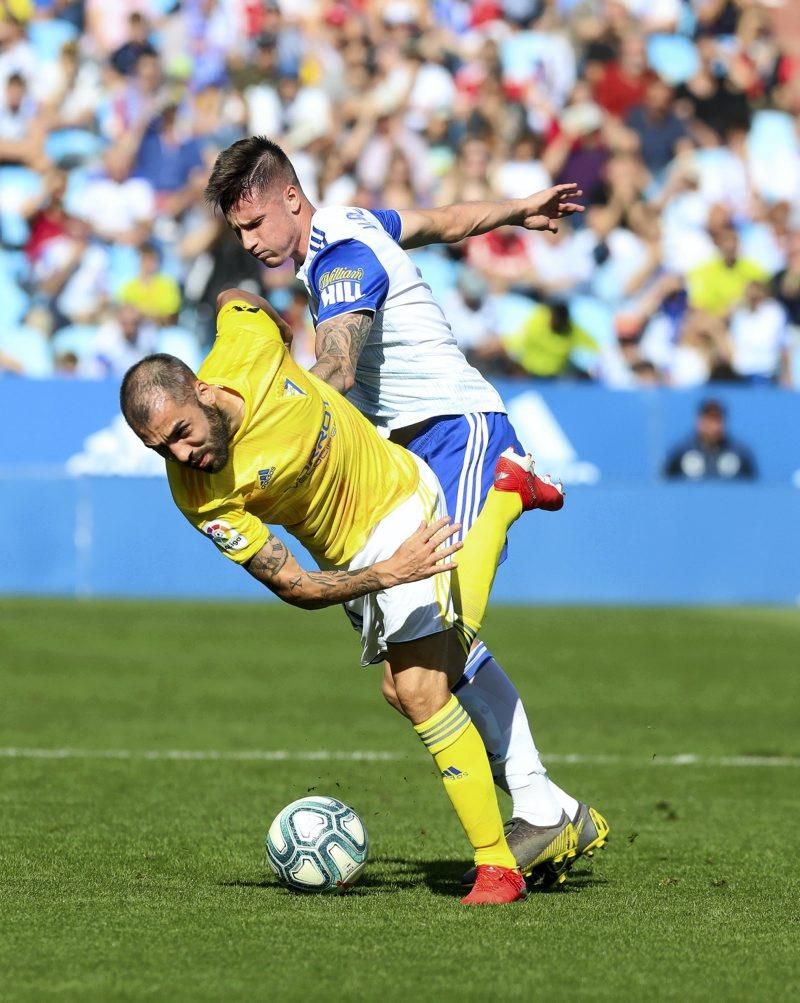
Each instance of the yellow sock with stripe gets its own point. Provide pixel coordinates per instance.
(459, 753)
(477, 561)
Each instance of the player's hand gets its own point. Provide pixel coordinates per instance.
(424, 554)
(544, 209)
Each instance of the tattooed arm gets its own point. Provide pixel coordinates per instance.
(338, 346)
(417, 558)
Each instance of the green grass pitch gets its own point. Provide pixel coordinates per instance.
(143, 878)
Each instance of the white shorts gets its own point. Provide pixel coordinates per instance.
(405, 612)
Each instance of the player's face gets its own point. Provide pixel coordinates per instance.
(268, 225)
(194, 434)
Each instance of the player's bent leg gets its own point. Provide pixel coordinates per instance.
(419, 669)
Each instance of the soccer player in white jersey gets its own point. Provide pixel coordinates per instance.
(382, 339)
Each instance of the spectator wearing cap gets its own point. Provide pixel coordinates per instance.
(719, 284)
(710, 453)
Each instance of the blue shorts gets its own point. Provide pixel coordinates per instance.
(462, 451)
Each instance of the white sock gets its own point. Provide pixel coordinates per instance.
(491, 700)
(567, 801)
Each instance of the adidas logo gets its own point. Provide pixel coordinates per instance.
(265, 476)
(453, 773)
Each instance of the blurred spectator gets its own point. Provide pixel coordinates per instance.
(759, 337)
(122, 340)
(154, 294)
(118, 208)
(620, 83)
(22, 132)
(125, 58)
(70, 90)
(658, 127)
(678, 120)
(720, 284)
(710, 453)
(471, 312)
(543, 346)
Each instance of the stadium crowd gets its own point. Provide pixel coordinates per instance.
(679, 119)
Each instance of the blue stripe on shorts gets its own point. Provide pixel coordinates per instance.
(462, 451)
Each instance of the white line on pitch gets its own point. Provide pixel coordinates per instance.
(333, 755)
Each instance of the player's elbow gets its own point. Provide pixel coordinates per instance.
(227, 295)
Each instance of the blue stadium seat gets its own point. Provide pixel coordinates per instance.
(673, 57)
(29, 347)
(15, 300)
(73, 145)
(180, 342)
(17, 184)
(48, 36)
(80, 339)
(594, 317)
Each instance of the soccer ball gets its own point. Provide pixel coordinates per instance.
(317, 844)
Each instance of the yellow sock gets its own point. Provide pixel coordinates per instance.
(477, 561)
(460, 755)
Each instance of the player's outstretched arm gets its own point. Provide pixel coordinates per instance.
(424, 554)
(338, 345)
(260, 303)
(451, 223)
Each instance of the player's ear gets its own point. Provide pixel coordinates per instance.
(205, 392)
(291, 197)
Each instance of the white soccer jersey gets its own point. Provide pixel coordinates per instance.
(410, 368)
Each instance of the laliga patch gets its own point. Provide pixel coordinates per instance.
(224, 535)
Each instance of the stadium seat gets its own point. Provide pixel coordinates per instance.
(30, 348)
(80, 339)
(15, 300)
(49, 36)
(673, 57)
(594, 317)
(123, 265)
(17, 185)
(180, 342)
(73, 146)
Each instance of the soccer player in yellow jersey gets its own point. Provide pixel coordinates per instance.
(253, 438)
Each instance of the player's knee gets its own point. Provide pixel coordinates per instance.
(421, 694)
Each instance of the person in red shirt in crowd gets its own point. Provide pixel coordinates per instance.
(47, 216)
(621, 83)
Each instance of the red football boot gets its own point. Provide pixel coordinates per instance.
(496, 886)
(515, 473)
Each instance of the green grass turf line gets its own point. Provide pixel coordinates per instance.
(144, 880)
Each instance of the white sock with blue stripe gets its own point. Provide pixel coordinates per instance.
(494, 705)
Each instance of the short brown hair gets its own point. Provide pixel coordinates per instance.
(246, 167)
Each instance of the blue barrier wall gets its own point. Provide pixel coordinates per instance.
(624, 536)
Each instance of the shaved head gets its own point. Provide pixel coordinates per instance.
(149, 383)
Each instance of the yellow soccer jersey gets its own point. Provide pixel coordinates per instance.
(303, 457)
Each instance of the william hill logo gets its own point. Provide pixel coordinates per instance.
(340, 285)
(340, 275)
